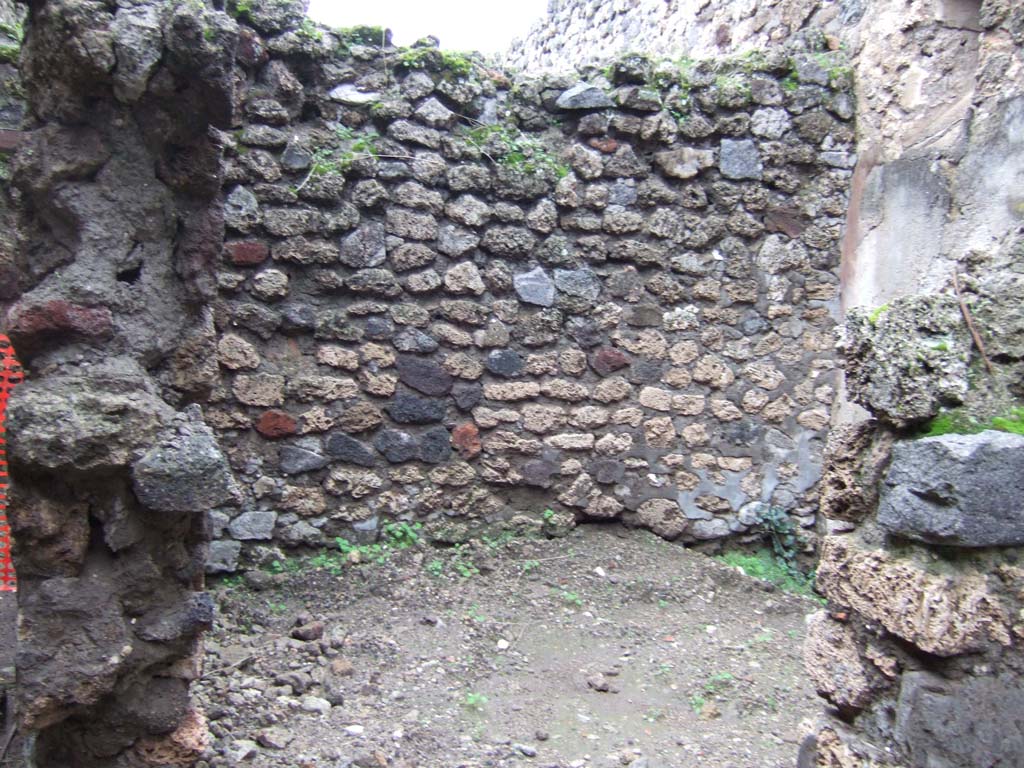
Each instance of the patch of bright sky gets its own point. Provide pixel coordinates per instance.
(461, 25)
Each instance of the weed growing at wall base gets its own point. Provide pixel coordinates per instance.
(763, 564)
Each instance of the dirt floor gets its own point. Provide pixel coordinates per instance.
(605, 648)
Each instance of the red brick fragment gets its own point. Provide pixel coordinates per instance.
(273, 424)
(246, 253)
(604, 144)
(608, 360)
(28, 320)
(466, 440)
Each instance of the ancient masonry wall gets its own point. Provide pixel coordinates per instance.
(580, 32)
(918, 653)
(451, 298)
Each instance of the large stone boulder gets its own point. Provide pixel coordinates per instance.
(944, 723)
(940, 615)
(907, 360)
(960, 490)
(185, 471)
(87, 419)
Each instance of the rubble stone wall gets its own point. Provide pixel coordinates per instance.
(918, 651)
(453, 298)
(581, 32)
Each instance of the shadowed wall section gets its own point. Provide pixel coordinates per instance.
(113, 467)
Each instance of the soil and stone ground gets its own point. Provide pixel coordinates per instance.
(605, 648)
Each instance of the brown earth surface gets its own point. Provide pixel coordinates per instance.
(604, 648)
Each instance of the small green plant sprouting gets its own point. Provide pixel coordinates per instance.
(327, 561)
(697, 703)
(240, 9)
(778, 564)
(731, 87)
(456, 63)
(504, 144)
(278, 608)
(9, 53)
(528, 566)
(310, 31)
(458, 562)
(790, 82)
(231, 582)
(361, 35)
(15, 30)
(473, 613)
(783, 534)
(464, 567)
(571, 598)
(718, 682)
(548, 515)
(287, 565)
(474, 701)
(876, 314)
(495, 543)
(763, 564)
(401, 535)
(344, 148)
(959, 422)
(394, 537)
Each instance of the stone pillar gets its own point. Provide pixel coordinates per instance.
(113, 468)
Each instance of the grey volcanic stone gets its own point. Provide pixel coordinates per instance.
(739, 159)
(254, 525)
(960, 723)
(184, 472)
(294, 460)
(222, 556)
(296, 158)
(467, 395)
(364, 247)
(348, 449)
(397, 446)
(423, 375)
(455, 241)
(241, 210)
(435, 446)
(407, 408)
(504, 362)
(607, 471)
(375, 282)
(583, 96)
(584, 332)
(535, 287)
(583, 283)
(962, 490)
(415, 340)
(538, 473)
(297, 318)
(351, 96)
(379, 328)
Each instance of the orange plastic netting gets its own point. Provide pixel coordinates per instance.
(11, 375)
